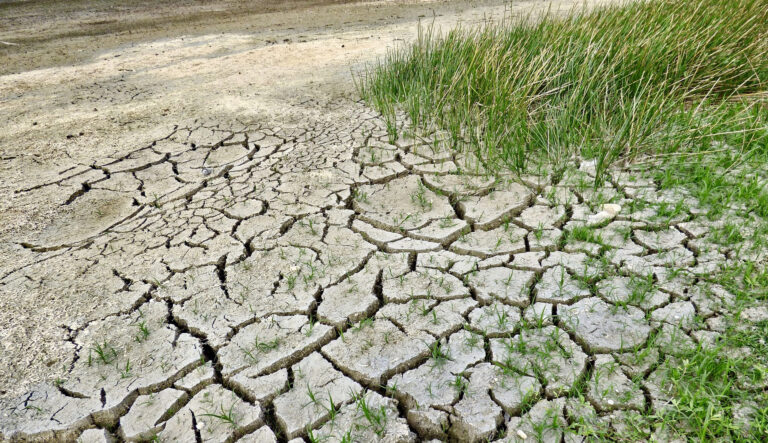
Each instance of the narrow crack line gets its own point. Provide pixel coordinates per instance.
(195, 428)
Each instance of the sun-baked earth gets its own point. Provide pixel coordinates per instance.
(206, 238)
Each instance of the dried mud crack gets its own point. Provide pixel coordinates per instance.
(265, 284)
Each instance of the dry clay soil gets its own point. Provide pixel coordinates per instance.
(205, 235)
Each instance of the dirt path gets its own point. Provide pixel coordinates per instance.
(205, 236)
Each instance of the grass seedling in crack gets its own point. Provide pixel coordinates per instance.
(125, 372)
(419, 197)
(105, 353)
(473, 341)
(366, 322)
(143, 332)
(260, 347)
(376, 418)
(460, 384)
(311, 328)
(435, 320)
(312, 226)
(333, 409)
(38, 411)
(438, 354)
(226, 415)
(290, 280)
(313, 400)
(446, 223)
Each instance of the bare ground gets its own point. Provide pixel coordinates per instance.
(195, 208)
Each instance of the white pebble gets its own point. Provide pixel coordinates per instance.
(611, 208)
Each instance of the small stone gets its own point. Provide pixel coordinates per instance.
(601, 218)
(611, 208)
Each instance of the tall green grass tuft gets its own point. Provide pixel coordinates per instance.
(608, 83)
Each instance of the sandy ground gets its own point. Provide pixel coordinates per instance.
(133, 87)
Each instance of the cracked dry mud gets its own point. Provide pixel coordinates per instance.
(258, 282)
(254, 282)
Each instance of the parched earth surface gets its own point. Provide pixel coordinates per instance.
(294, 273)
